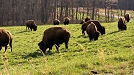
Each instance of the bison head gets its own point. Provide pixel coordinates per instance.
(42, 46)
(103, 30)
(35, 28)
(127, 17)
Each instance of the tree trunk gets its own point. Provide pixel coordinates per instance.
(93, 8)
(61, 12)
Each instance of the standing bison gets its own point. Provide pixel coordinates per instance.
(83, 27)
(56, 22)
(100, 28)
(92, 31)
(30, 24)
(54, 36)
(127, 17)
(67, 20)
(122, 24)
(5, 39)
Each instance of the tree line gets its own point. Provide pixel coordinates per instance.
(17, 12)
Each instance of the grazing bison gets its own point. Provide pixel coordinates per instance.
(83, 27)
(127, 17)
(56, 22)
(92, 31)
(87, 19)
(5, 39)
(66, 22)
(100, 28)
(54, 36)
(82, 21)
(30, 24)
(122, 24)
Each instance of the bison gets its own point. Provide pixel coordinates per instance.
(56, 22)
(54, 36)
(127, 17)
(5, 39)
(122, 24)
(87, 19)
(83, 27)
(100, 28)
(30, 24)
(92, 31)
(67, 20)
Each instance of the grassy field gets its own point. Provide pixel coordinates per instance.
(111, 53)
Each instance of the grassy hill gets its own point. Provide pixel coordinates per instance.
(111, 53)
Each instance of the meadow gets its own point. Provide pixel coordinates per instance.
(112, 53)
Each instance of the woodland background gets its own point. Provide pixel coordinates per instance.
(17, 12)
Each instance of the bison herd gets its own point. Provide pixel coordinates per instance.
(57, 35)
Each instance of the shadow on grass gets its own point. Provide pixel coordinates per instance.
(33, 55)
(83, 36)
(37, 53)
(114, 32)
(22, 31)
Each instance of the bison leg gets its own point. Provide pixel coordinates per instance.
(50, 48)
(90, 37)
(31, 28)
(5, 49)
(83, 32)
(0, 47)
(57, 47)
(66, 45)
(10, 44)
(28, 28)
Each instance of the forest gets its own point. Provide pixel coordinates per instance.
(17, 12)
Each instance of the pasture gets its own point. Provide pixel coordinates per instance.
(112, 53)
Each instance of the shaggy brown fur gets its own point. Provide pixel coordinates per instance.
(122, 24)
(56, 22)
(83, 27)
(87, 19)
(100, 28)
(127, 17)
(54, 36)
(67, 20)
(5, 39)
(92, 32)
(30, 24)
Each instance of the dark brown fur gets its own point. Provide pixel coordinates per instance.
(30, 24)
(54, 36)
(67, 20)
(127, 17)
(87, 19)
(56, 22)
(92, 31)
(83, 27)
(5, 39)
(122, 24)
(100, 28)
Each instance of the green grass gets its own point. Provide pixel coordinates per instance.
(111, 53)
